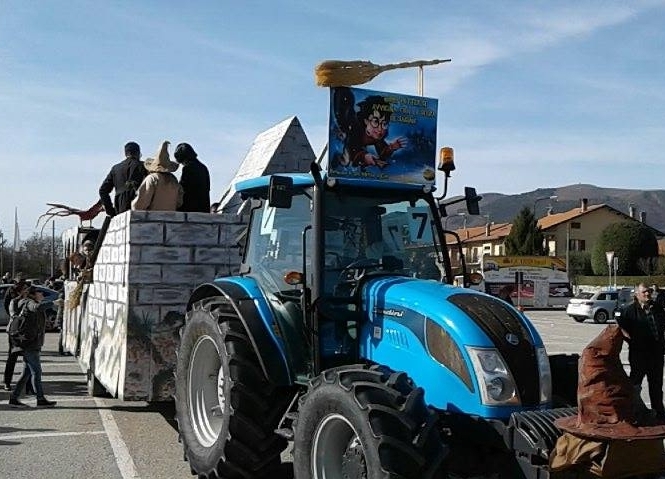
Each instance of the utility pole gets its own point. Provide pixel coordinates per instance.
(567, 250)
(52, 248)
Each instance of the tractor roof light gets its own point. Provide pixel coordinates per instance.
(446, 160)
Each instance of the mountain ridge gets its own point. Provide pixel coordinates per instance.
(503, 208)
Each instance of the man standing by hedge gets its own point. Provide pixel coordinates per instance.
(643, 323)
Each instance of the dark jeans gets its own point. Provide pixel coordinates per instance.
(10, 365)
(650, 365)
(32, 366)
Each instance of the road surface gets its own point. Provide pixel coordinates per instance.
(111, 439)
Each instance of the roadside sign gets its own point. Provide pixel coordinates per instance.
(610, 256)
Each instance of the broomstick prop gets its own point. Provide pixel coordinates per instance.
(332, 73)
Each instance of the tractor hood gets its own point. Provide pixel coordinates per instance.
(404, 314)
(471, 317)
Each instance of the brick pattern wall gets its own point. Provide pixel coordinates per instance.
(149, 264)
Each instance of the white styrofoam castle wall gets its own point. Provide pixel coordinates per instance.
(148, 266)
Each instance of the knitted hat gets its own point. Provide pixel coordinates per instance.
(161, 164)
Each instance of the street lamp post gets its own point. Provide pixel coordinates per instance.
(2, 253)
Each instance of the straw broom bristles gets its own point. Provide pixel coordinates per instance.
(75, 297)
(332, 73)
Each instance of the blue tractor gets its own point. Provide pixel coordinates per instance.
(343, 334)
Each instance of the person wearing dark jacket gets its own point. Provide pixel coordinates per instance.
(195, 180)
(643, 323)
(14, 294)
(32, 308)
(124, 177)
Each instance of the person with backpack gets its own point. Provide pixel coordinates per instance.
(12, 297)
(27, 335)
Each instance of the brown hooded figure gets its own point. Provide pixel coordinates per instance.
(607, 402)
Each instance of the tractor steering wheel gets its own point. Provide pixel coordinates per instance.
(351, 273)
(359, 265)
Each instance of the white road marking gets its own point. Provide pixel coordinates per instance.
(13, 437)
(122, 456)
(120, 450)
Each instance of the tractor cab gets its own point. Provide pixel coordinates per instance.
(314, 243)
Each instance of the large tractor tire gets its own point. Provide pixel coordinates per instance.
(365, 422)
(226, 409)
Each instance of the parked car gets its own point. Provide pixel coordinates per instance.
(599, 306)
(51, 312)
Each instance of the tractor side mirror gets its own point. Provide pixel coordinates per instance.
(280, 193)
(472, 199)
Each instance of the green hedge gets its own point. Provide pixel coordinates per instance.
(621, 280)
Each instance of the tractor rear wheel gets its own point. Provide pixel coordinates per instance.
(226, 409)
(367, 423)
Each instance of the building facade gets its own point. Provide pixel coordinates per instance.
(575, 230)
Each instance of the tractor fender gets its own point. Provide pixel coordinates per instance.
(268, 350)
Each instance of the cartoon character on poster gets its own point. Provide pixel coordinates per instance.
(382, 136)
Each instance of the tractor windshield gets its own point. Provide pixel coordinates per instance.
(382, 232)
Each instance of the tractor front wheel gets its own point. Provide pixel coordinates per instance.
(367, 423)
(226, 409)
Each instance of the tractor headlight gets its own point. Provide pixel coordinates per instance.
(545, 374)
(497, 386)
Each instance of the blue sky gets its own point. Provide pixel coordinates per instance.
(538, 94)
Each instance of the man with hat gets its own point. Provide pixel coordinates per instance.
(124, 177)
(160, 190)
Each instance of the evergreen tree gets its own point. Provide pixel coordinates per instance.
(630, 241)
(525, 236)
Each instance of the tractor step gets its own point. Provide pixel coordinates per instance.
(285, 427)
(286, 433)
